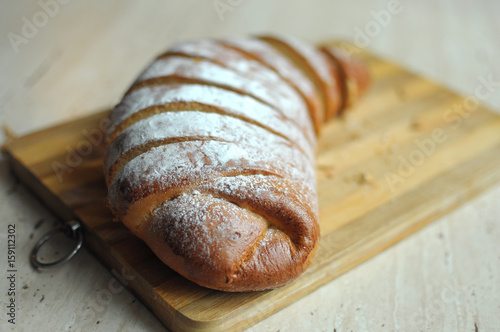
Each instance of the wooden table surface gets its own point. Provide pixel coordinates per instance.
(62, 59)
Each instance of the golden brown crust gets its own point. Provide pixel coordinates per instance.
(273, 245)
(355, 77)
(315, 66)
(267, 55)
(210, 158)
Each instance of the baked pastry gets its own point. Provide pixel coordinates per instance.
(210, 156)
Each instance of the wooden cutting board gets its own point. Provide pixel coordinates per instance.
(408, 153)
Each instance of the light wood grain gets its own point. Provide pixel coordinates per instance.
(77, 64)
(361, 211)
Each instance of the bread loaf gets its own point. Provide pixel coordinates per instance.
(210, 156)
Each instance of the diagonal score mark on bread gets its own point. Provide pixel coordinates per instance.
(161, 169)
(269, 57)
(117, 164)
(177, 80)
(178, 92)
(342, 81)
(167, 128)
(186, 106)
(314, 66)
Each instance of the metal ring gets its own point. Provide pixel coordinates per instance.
(72, 229)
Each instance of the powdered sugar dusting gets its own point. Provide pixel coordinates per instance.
(276, 61)
(198, 226)
(265, 189)
(213, 50)
(276, 94)
(313, 56)
(229, 101)
(185, 162)
(252, 69)
(183, 124)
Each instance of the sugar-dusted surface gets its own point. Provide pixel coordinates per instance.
(276, 61)
(262, 188)
(219, 232)
(230, 102)
(280, 96)
(179, 164)
(319, 68)
(317, 61)
(165, 128)
(215, 51)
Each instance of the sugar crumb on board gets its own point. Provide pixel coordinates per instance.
(366, 178)
(354, 127)
(415, 124)
(401, 93)
(328, 170)
(361, 178)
